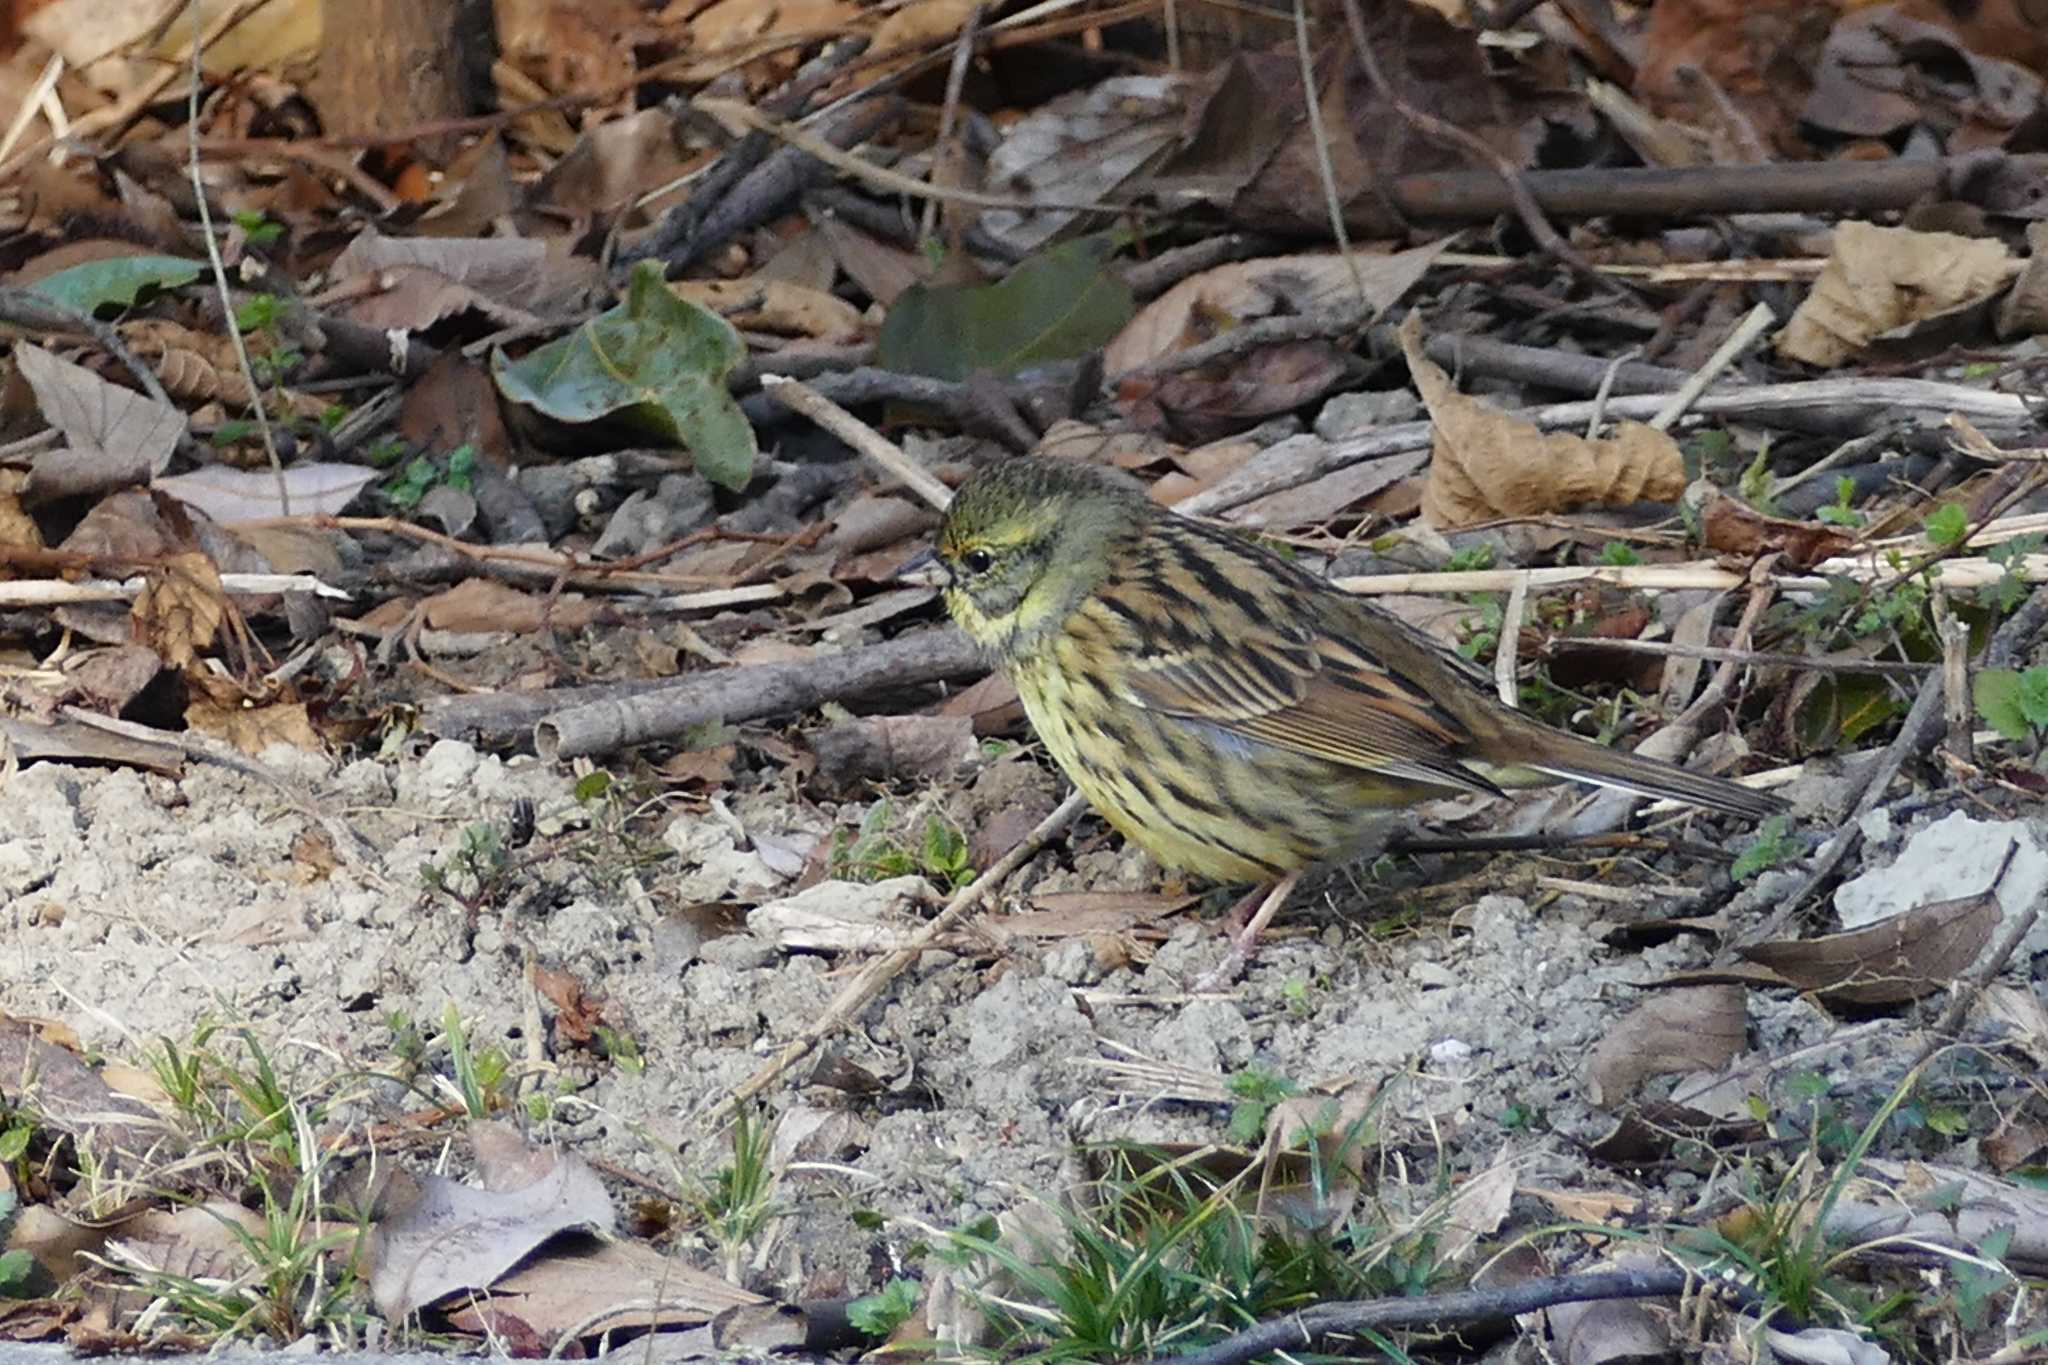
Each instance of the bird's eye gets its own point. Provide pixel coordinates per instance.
(977, 560)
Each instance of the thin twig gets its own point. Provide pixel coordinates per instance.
(1741, 339)
(1313, 1326)
(949, 112)
(1510, 640)
(220, 272)
(801, 398)
(1818, 663)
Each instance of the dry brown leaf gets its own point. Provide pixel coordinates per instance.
(778, 306)
(447, 1236)
(2024, 310)
(2014, 1143)
(598, 1288)
(892, 748)
(1897, 959)
(1302, 1193)
(1271, 380)
(1202, 306)
(180, 609)
(1881, 278)
(108, 679)
(18, 530)
(2019, 1016)
(1585, 1206)
(727, 26)
(1692, 1028)
(1729, 526)
(920, 23)
(481, 605)
(1610, 1331)
(252, 729)
(1486, 464)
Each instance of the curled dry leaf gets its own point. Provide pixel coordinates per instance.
(1610, 1331)
(180, 609)
(1300, 1192)
(252, 729)
(449, 1236)
(1692, 1028)
(1361, 287)
(1894, 960)
(779, 306)
(113, 436)
(1729, 526)
(839, 916)
(1883, 278)
(1485, 464)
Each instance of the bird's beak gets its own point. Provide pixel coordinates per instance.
(924, 570)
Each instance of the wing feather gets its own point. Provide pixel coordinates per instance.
(1282, 682)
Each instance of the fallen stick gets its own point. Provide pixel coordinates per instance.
(1310, 1327)
(730, 695)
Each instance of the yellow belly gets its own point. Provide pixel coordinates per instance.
(1199, 800)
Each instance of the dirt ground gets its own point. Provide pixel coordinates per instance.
(294, 905)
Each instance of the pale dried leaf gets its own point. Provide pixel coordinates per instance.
(778, 306)
(1206, 305)
(1882, 278)
(508, 270)
(1585, 1206)
(252, 729)
(1692, 1028)
(295, 549)
(1608, 1331)
(1080, 148)
(1312, 1163)
(113, 436)
(918, 748)
(1901, 958)
(1486, 464)
(410, 298)
(840, 916)
(920, 23)
(481, 605)
(454, 1236)
(1476, 1211)
(180, 609)
(1825, 1346)
(2020, 1015)
(231, 495)
(200, 1241)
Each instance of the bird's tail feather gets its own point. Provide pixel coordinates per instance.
(1584, 761)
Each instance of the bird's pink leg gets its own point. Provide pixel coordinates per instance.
(1268, 899)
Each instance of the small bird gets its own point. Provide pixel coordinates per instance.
(1226, 710)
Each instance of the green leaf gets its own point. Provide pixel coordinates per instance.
(1948, 525)
(1766, 851)
(880, 1314)
(2033, 697)
(117, 282)
(1059, 304)
(656, 361)
(1997, 694)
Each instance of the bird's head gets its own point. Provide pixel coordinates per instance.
(1023, 543)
